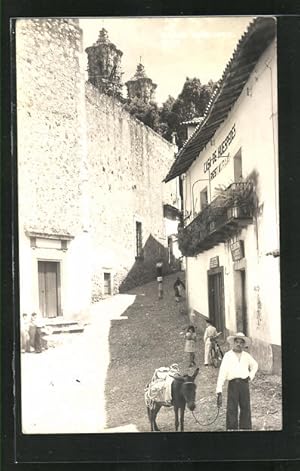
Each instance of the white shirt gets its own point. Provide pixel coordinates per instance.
(236, 366)
(210, 331)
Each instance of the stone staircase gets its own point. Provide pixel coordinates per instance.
(59, 325)
(60, 330)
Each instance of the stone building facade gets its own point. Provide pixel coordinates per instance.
(90, 189)
(126, 160)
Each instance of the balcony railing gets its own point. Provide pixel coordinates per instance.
(227, 214)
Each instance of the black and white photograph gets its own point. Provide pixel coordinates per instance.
(148, 224)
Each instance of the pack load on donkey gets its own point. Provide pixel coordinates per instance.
(159, 388)
(170, 388)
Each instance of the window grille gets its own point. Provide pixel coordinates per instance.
(139, 240)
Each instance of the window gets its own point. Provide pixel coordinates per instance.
(64, 245)
(107, 284)
(203, 198)
(139, 241)
(237, 162)
(170, 249)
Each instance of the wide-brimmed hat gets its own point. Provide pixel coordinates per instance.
(239, 335)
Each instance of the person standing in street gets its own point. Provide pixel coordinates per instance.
(159, 277)
(190, 344)
(210, 331)
(35, 333)
(239, 368)
(25, 346)
(178, 285)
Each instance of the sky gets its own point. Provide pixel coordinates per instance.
(170, 48)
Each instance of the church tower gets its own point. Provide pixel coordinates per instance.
(141, 86)
(104, 65)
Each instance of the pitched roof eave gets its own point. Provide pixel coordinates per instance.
(250, 47)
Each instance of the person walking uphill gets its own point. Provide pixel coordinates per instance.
(238, 367)
(190, 343)
(178, 285)
(159, 277)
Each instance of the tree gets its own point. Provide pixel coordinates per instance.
(146, 112)
(169, 120)
(190, 103)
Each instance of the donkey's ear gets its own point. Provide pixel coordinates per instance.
(195, 373)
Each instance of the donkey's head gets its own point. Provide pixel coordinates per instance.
(188, 389)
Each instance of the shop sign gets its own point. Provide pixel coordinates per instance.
(219, 152)
(237, 250)
(214, 262)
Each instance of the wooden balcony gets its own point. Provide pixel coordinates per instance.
(223, 218)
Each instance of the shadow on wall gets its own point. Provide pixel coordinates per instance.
(144, 268)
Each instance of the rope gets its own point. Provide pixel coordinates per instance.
(209, 423)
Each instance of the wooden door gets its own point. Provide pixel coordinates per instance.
(241, 303)
(216, 299)
(49, 288)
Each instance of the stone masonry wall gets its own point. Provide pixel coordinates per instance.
(85, 166)
(49, 151)
(127, 164)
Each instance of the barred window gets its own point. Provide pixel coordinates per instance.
(139, 241)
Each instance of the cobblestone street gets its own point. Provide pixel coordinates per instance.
(94, 382)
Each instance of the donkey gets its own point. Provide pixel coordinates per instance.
(183, 391)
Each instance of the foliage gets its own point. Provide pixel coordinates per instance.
(191, 236)
(146, 112)
(190, 103)
(169, 120)
(240, 195)
(237, 194)
(193, 98)
(166, 120)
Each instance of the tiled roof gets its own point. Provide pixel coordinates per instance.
(252, 44)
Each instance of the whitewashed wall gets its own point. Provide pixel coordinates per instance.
(254, 119)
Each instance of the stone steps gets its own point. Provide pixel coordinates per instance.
(64, 326)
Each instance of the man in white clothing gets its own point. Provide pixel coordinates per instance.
(210, 331)
(238, 367)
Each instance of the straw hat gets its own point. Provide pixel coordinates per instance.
(239, 335)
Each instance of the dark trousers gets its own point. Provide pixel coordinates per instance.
(35, 338)
(238, 397)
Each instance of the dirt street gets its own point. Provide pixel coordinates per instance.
(94, 382)
(152, 337)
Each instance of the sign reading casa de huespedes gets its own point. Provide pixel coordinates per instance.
(219, 153)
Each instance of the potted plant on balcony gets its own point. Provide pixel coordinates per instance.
(237, 198)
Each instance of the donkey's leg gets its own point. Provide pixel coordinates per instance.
(149, 416)
(155, 412)
(151, 420)
(176, 418)
(182, 418)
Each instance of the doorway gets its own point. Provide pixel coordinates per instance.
(241, 301)
(49, 288)
(216, 298)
